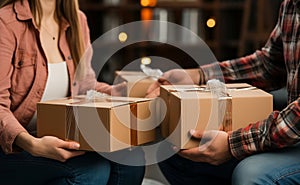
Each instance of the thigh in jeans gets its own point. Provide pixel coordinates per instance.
(127, 168)
(278, 167)
(181, 171)
(23, 168)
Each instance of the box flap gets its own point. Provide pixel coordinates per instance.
(136, 78)
(128, 99)
(179, 87)
(62, 101)
(130, 73)
(237, 85)
(101, 104)
(254, 93)
(193, 95)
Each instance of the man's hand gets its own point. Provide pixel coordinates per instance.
(174, 77)
(114, 90)
(118, 89)
(213, 149)
(154, 91)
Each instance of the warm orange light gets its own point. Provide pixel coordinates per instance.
(153, 3)
(146, 14)
(211, 23)
(146, 3)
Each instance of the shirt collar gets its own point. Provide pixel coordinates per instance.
(23, 12)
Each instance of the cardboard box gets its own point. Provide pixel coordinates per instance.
(165, 91)
(105, 125)
(137, 82)
(191, 107)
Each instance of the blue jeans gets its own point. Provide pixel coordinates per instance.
(88, 169)
(181, 171)
(281, 167)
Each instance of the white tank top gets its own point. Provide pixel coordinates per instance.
(57, 86)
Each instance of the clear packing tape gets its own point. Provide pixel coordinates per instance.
(154, 73)
(92, 96)
(223, 93)
(73, 132)
(219, 90)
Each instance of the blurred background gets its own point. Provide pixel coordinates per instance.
(231, 28)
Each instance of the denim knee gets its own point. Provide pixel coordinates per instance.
(247, 172)
(93, 169)
(267, 169)
(124, 174)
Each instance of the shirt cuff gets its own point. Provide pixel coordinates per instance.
(212, 71)
(237, 148)
(8, 136)
(202, 79)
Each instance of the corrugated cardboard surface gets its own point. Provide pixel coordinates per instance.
(164, 95)
(193, 109)
(78, 120)
(137, 82)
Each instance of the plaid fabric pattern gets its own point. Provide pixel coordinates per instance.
(274, 66)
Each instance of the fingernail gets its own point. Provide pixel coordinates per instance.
(192, 131)
(76, 145)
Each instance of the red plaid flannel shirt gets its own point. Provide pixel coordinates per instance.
(274, 66)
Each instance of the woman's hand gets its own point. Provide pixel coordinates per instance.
(48, 147)
(174, 77)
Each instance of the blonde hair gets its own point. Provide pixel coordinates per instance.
(65, 9)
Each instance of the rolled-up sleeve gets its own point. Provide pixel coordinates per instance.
(9, 125)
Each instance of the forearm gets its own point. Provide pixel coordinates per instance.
(264, 69)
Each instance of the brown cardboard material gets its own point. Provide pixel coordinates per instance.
(164, 95)
(78, 120)
(137, 82)
(198, 109)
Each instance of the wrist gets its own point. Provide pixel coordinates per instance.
(201, 77)
(194, 74)
(25, 141)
